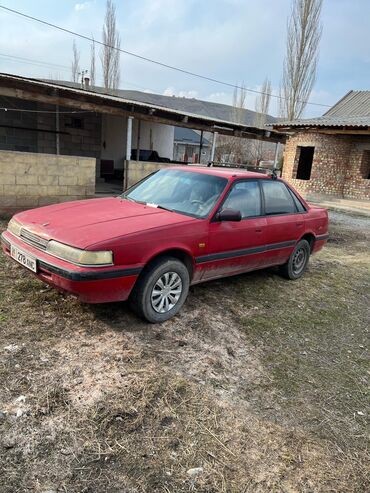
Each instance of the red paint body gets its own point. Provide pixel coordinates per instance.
(137, 233)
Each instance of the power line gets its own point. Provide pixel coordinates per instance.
(140, 57)
(44, 111)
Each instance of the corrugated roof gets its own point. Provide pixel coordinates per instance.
(189, 136)
(184, 105)
(353, 110)
(184, 112)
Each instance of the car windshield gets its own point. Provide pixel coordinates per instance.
(187, 192)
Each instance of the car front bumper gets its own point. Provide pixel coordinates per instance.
(90, 285)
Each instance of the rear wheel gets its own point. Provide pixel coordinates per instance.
(298, 261)
(161, 290)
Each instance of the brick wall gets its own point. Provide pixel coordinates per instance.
(137, 170)
(30, 180)
(36, 132)
(336, 167)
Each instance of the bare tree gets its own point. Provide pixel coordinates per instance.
(110, 56)
(261, 106)
(92, 63)
(234, 149)
(302, 49)
(75, 66)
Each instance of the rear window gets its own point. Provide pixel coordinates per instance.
(278, 199)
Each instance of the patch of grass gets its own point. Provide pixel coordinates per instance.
(259, 381)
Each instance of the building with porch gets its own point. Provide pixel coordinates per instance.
(59, 140)
(329, 156)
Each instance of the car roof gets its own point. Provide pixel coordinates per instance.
(224, 172)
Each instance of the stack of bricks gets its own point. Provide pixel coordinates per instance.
(30, 179)
(337, 166)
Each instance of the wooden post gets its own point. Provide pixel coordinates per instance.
(138, 140)
(213, 146)
(57, 128)
(200, 146)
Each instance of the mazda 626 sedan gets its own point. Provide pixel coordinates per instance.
(179, 226)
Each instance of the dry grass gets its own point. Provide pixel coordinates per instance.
(259, 381)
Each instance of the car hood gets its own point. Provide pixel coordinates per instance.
(87, 222)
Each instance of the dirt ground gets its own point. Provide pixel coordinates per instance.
(260, 382)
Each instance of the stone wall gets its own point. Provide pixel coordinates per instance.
(79, 133)
(337, 166)
(30, 180)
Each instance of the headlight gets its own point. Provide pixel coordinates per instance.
(14, 227)
(77, 256)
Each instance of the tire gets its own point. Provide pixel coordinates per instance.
(167, 275)
(298, 261)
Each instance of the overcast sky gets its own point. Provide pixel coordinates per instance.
(231, 40)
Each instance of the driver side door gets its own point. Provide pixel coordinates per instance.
(236, 246)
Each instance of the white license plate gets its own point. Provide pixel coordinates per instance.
(23, 258)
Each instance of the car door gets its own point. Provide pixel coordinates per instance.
(236, 246)
(285, 222)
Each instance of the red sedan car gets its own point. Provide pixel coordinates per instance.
(177, 227)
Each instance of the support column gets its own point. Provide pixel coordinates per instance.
(213, 146)
(276, 154)
(128, 151)
(138, 140)
(200, 146)
(57, 128)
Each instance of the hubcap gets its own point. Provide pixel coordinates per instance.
(166, 292)
(299, 260)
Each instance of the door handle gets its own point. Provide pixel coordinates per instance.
(299, 225)
(258, 230)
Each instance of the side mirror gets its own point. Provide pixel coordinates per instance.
(229, 215)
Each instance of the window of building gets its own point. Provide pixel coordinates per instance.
(245, 197)
(304, 157)
(365, 165)
(278, 199)
(75, 123)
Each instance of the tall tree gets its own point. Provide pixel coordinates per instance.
(92, 63)
(75, 66)
(109, 55)
(261, 106)
(234, 149)
(302, 50)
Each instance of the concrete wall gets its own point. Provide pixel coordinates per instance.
(36, 132)
(337, 167)
(154, 136)
(114, 136)
(137, 170)
(30, 180)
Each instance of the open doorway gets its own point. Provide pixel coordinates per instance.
(305, 158)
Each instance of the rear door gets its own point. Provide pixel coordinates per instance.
(235, 247)
(285, 221)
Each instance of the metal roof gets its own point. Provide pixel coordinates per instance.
(353, 110)
(183, 112)
(191, 106)
(189, 136)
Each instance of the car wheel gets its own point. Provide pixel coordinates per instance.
(161, 290)
(297, 263)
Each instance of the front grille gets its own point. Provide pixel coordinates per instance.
(33, 240)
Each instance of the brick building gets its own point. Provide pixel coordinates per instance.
(330, 155)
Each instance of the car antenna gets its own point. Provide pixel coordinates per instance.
(273, 174)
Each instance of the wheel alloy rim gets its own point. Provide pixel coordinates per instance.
(299, 260)
(166, 292)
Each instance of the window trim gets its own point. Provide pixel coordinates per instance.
(290, 191)
(235, 182)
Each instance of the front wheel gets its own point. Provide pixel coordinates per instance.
(161, 290)
(297, 263)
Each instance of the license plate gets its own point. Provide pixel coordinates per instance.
(23, 258)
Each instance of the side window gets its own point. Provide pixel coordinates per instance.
(245, 197)
(297, 202)
(277, 198)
